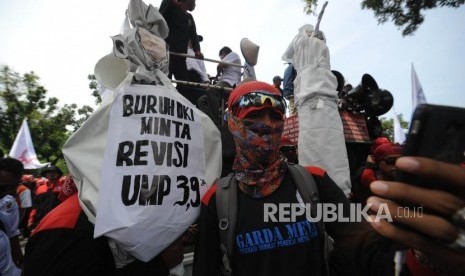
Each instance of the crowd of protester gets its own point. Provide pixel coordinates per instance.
(31, 196)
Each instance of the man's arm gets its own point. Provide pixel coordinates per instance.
(166, 5)
(194, 37)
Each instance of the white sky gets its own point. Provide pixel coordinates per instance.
(62, 40)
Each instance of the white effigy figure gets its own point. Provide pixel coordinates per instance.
(143, 159)
(321, 137)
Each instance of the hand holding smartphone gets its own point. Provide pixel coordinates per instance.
(436, 132)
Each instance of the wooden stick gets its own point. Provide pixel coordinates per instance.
(317, 27)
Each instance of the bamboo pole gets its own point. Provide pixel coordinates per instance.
(320, 16)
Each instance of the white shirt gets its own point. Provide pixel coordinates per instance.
(231, 74)
(25, 199)
(196, 64)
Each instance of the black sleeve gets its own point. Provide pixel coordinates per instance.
(193, 34)
(207, 256)
(165, 6)
(356, 244)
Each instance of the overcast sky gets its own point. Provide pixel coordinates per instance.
(62, 40)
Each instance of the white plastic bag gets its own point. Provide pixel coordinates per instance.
(144, 225)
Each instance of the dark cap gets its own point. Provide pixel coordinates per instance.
(276, 78)
(51, 169)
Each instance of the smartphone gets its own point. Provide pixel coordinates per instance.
(436, 132)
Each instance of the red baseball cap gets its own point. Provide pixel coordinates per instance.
(378, 142)
(248, 88)
(385, 150)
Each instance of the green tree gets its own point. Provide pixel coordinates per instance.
(388, 126)
(93, 85)
(22, 96)
(406, 14)
(310, 6)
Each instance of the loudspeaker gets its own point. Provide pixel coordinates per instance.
(249, 51)
(367, 86)
(369, 98)
(110, 71)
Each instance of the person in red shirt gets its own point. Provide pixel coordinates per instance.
(53, 174)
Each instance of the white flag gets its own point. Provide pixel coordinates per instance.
(23, 149)
(418, 97)
(399, 135)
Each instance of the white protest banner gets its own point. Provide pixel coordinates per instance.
(153, 171)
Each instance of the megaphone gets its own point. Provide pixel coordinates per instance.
(366, 87)
(369, 98)
(110, 71)
(383, 105)
(249, 51)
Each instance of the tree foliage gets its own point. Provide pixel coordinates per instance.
(93, 85)
(21, 96)
(406, 14)
(388, 126)
(310, 6)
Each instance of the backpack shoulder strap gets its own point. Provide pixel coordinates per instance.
(226, 208)
(309, 192)
(305, 183)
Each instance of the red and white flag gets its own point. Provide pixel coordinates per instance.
(418, 97)
(23, 149)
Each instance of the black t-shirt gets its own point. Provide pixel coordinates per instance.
(289, 248)
(275, 248)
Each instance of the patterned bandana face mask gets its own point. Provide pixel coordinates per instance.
(259, 165)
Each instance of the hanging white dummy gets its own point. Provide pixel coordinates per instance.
(321, 137)
(143, 159)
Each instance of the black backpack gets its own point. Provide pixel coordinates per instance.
(226, 206)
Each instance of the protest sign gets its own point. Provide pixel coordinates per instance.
(153, 171)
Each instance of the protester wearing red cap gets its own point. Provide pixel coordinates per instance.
(259, 165)
(261, 173)
(386, 151)
(69, 188)
(385, 156)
